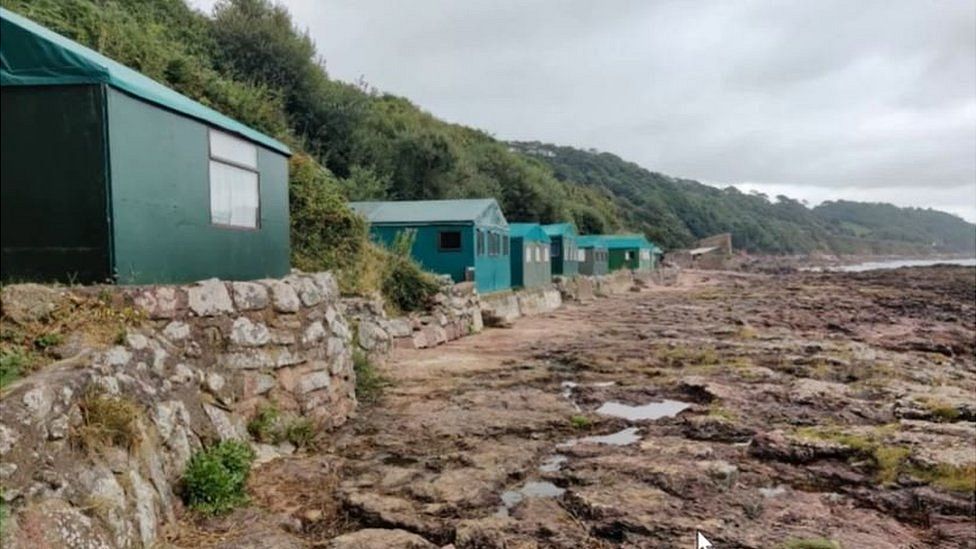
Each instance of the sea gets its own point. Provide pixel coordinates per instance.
(897, 263)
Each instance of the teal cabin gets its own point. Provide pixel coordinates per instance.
(566, 254)
(531, 259)
(629, 251)
(595, 256)
(109, 176)
(466, 239)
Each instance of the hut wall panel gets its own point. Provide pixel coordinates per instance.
(161, 202)
(54, 206)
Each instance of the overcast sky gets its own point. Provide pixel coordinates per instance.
(815, 99)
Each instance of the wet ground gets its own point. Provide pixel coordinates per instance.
(805, 410)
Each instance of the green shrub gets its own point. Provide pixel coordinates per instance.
(49, 339)
(215, 477)
(13, 363)
(3, 518)
(406, 286)
(325, 232)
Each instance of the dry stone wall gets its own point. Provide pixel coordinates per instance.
(453, 312)
(206, 357)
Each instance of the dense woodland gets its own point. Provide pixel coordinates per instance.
(249, 60)
(674, 212)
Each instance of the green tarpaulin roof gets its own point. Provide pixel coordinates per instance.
(560, 229)
(528, 231)
(31, 55)
(591, 241)
(617, 242)
(481, 211)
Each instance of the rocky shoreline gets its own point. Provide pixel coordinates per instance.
(799, 410)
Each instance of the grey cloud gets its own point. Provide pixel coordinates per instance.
(874, 99)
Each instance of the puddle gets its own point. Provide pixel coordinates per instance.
(531, 489)
(773, 492)
(510, 498)
(553, 463)
(620, 438)
(542, 489)
(651, 410)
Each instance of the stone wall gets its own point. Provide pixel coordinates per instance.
(575, 288)
(204, 359)
(454, 312)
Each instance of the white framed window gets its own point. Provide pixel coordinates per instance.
(528, 254)
(235, 199)
(545, 255)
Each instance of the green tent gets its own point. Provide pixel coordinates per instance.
(110, 176)
(629, 251)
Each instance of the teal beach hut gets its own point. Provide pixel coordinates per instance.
(109, 176)
(595, 256)
(629, 251)
(565, 253)
(531, 264)
(466, 239)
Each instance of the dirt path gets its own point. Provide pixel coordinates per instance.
(816, 409)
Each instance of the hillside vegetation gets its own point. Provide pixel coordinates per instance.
(248, 60)
(674, 212)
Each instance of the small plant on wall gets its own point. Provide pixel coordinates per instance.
(216, 476)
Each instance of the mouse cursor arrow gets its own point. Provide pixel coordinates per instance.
(701, 542)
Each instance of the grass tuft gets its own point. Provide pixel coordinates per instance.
(264, 426)
(369, 382)
(941, 410)
(954, 478)
(300, 432)
(106, 421)
(888, 460)
(580, 422)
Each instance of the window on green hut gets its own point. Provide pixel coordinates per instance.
(449, 241)
(235, 199)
